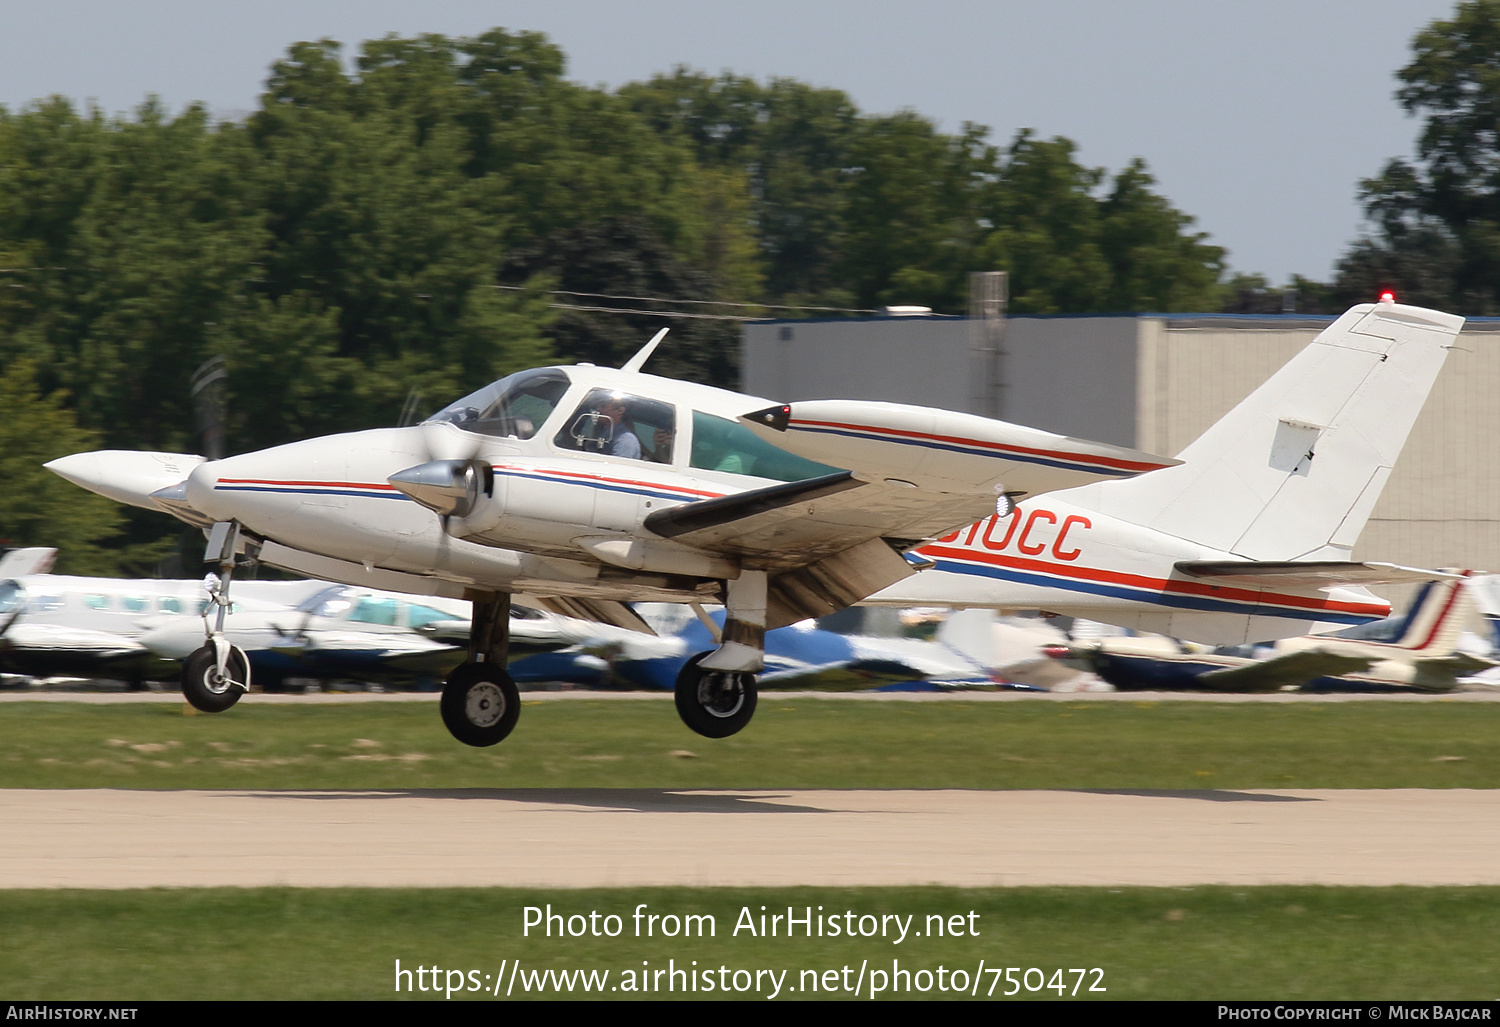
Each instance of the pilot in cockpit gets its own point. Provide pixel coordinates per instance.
(614, 423)
(622, 441)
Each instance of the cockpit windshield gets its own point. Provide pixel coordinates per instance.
(513, 407)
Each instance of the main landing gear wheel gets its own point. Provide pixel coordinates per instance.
(714, 703)
(205, 688)
(480, 704)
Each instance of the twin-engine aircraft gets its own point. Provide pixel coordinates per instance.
(588, 488)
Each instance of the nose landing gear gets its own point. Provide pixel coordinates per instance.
(217, 674)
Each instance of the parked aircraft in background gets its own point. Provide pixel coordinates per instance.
(595, 487)
(341, 632)
(1417, 651)
(54, 625)
(139, 630)
(799, 656)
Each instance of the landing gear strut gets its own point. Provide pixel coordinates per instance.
(480, 701)
(217, 674)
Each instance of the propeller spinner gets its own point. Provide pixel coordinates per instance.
(449, 488)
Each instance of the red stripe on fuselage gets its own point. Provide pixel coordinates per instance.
(1163, 585)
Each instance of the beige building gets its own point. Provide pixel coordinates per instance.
(1154, 382)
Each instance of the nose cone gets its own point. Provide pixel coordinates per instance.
(123, 475)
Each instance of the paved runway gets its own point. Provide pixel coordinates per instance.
(602, 837)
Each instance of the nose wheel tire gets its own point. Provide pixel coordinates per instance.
(714, 703)
(205, 688)
(480, 704)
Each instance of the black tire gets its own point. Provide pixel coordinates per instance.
(202, 686)
(714, 703)
(480, 704)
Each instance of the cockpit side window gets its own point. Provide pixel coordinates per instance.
(723, 445)
(12, 600)
(11, 596)
(514, 407)
(376, 610)
(621, 424)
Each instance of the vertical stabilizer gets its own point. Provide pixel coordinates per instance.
(1294, 470)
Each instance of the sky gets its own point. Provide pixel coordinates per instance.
(1257, 117)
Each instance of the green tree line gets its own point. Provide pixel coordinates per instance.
(388, 233)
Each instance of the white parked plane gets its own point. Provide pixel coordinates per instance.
(61, 625)
(140, 630)
(343, 632)
(597, 487)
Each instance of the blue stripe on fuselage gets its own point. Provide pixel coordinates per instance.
(310, 492)
(606, 486)
(1155, 598)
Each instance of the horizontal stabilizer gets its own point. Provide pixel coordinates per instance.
(1307, 574)
(943, 450)
(1457, 664)
(1291, 670)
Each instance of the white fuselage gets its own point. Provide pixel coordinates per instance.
(1054, 556)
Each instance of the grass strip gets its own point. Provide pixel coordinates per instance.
(805, 743)
(1214, 943)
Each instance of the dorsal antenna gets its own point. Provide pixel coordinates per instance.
(635, 362)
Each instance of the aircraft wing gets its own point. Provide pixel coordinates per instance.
(785, 526)
(48, 650)
(355, 654)
(911, 474)
(1279, 672)
(841, 676)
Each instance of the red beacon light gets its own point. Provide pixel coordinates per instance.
(1388, 297)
